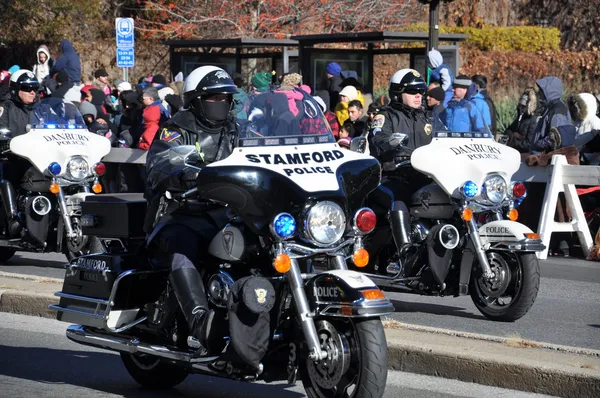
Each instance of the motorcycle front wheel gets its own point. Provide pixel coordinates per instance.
(356, 365)
(512, 291)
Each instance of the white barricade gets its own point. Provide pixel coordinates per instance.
(559, 176)
(126, 155)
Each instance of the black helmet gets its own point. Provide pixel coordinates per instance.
(205, 81)
(23, 79)
(406, 81)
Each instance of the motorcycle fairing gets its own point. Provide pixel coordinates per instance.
(453, 161)
(44, 146)
(312, 167)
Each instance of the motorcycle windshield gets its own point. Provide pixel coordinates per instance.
(54, 113)
(463, 149)
(286, 154)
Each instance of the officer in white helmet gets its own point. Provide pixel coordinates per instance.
(396, 131)
(182, 235)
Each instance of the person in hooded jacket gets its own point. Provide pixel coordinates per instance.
(521, 130)
(63, 85)
(555, 114)
(481, 82)
(153, 116)
(44, 63)
(97, 97)
(69, 62)
(582, 108)
(442, 73)
(333, 83)
(476, 97)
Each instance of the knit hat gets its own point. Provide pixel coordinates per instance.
(462, 81)
(350, 92)
(124, 86)
(292, 79)
(321, 103)
(437, 93)
(159, 79)
(151, 92)
(333, 68)
(100, 72)
(87, 108)
(261, 81)
(344, 142)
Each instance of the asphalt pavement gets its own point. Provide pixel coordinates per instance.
(37, 360)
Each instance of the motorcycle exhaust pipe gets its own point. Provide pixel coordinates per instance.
(448, 236)
(41, 205)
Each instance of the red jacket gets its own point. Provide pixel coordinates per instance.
(153, 116)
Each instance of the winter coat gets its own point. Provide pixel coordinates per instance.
(524, 124)
(41, 71)
(463, 116)
(555, 114)
(441, 73)
(582, 108)
(68, 61)
(153, 116)
(477, 98)
(492, 107)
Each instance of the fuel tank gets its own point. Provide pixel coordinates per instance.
(431, 201)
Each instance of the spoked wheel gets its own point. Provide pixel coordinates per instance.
(512, 291)
(152, 372)
(80, 244)
(356, 363)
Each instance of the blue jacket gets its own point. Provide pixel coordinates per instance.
(479, 100)
(463, 116)
(68, 61)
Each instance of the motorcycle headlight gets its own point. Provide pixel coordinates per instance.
(494, 189)
(325, 223)
(78, 168)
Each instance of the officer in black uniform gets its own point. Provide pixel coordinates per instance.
(396, 131)
(183, 234)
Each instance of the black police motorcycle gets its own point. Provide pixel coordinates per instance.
(288, 194)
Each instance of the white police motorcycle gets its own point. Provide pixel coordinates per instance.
(59, 161)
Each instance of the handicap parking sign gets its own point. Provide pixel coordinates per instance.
(125, 57)
(125, 32)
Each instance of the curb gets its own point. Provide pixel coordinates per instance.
(27, 303)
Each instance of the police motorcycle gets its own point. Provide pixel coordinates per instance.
(464, 234)
(287, 197)
(61, 164)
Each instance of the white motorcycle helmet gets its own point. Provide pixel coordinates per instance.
(203, 82)
(23, 79)
(406, 81)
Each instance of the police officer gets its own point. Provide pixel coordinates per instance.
(14, 118)
(178, 230)
(396, 131)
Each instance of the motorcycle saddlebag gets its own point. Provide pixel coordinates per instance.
(90, 281)
(114, 215)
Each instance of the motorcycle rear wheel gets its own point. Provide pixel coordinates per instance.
(152, 372)
(513, 290)
(357, 362)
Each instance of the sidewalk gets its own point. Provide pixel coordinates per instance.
(495, 361)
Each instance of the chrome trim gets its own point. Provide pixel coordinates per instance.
(62, 204)
(479, 250)
(339, 262)
(525, 245)
(308, 251)
(360, 308)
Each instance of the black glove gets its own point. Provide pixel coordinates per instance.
(188, 178)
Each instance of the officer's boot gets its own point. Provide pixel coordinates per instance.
(189, 290)
(400, 222)
(9, 201)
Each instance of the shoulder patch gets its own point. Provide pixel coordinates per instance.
(378, 121)
(169, 135)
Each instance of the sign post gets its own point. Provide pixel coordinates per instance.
(125, 33)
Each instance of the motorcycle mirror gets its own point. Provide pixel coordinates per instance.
(398, 139)
(182, 154)
(358, 144)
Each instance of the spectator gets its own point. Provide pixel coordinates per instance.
(4, 87)
(475, 97)
(159, 82)
(69, 62)
(260, 82)
(521, 130)
(441, 73)
(364, 98)
(63, 85)
(582, 108)
(556, 114)
(347, 94)
(435, 100)
(462, 115)
(481, 82)
(44, 63)
(329, 115)
(373, 110)
(240, 99)
(101, 81)
(333, 83)
(153, 115)
(355, 116)
(97, 97)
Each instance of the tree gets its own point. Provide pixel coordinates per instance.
(167, 19)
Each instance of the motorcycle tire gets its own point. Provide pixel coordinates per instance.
(6, 254)
(365, 364)
(523, 271)
(152, 372)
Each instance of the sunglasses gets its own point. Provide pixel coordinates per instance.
(29, 88)
(414, 91)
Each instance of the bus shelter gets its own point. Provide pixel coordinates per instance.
(356, 52)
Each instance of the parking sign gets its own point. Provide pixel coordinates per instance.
(125, 57)
(125, 32)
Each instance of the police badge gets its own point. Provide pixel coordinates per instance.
(428, 129)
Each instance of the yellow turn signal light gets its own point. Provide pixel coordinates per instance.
(532, 235)
(97, 188)
(282, 263)
(513, 215)
(360, 258)
(373, 294)
(467, 214)
(54, 188)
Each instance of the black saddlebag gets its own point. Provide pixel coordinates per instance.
(107, 290)
(114, 215)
